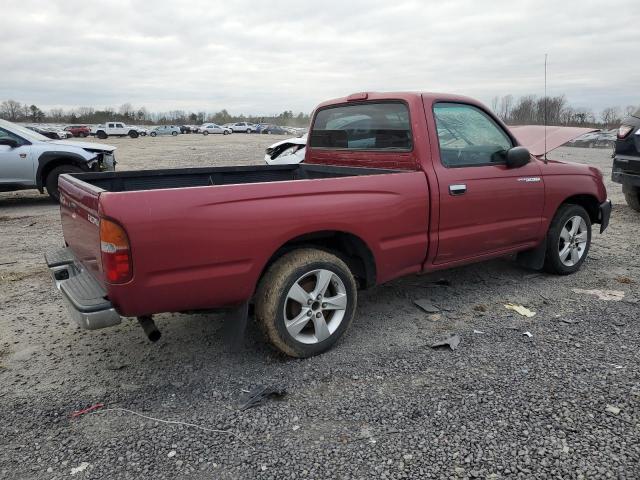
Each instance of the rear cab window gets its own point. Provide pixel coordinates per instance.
(372, 126)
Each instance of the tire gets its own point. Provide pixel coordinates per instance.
(133, 134)
(174, 133)
(51, 182)
(153, 134)
(224, 132)
(101, 135)
(83, 135)
(632, 196)
(274, 303)
(568, 240)
(248, 130)
(205, 133)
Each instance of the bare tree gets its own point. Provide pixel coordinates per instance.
(11, 110)
(610, 116)
(126, 110)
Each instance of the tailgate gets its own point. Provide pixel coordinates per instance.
(81, 221)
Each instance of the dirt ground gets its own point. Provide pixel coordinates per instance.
(562, 403)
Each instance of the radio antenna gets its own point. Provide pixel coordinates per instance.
(545, 108)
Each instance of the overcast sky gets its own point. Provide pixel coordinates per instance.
(267, 56)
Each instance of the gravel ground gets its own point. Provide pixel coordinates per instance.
(563, 403)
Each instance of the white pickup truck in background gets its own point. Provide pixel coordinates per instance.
(115, 129)
(31, 160)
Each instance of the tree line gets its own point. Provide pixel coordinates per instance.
(524, 110)
(533, 110)
(15, 111)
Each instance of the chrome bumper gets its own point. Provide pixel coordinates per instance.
(83, 296)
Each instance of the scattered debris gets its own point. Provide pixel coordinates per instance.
(613, 409)
(80, 468)
(606, 295)
(480, 308)
(452, 342)
(171, 454)
(625, 280)
(296, 427)
(434, 317)
(260, 394)
(427, 306)
(527, 334)
(569, 321)
(92, 408)
(478, 332)
(522, 310)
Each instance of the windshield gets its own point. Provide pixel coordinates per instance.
(23, 132)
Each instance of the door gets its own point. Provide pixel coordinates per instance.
(485, 207)
(16, 163)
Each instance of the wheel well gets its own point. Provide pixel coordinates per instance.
(589, 203)
(350, 248)
(57, 162)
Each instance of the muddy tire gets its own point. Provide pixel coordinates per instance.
(305, 302)
(632, 196)
(568, 240)
(51, 181)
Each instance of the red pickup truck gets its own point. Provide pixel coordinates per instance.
(392, 184)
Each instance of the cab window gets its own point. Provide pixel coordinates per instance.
(363, 126)
(468, 136)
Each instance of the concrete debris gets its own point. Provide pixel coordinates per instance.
(427, 306)
(524, 311)
(452, 342)
(606, 295)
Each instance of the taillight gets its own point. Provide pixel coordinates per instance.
(116, 252)
(624, 130)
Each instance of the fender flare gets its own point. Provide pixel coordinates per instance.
(47, 158)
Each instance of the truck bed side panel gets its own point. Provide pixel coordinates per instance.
(205, 247)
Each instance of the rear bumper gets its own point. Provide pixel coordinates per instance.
(83, 296)
(605, 215)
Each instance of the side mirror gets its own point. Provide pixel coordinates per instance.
(518, 157)
(9, 142)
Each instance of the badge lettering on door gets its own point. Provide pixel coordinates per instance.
(529, 179)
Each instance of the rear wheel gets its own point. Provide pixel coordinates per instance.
(174, 133)
(305, 302)
(153, 134)
(632, 196)
(224, 132)
(248, 130)
(205, 133)
(568, 240)
(101, 135)
(133, 134)
(51, 181)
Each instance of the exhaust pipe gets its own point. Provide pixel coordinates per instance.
(149, 327)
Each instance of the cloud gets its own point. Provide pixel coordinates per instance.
(264, 57)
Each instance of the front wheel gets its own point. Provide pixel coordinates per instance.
(248, 130)
(205, 133)
(51, 181)
(305, 302)
(632, 196)
(153, 134)
(568, 240)
(174, 133)
(224, 132)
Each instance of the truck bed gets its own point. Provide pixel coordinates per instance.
(129, 181)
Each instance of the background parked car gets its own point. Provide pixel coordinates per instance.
(274, 130)
(260, 127)
(165, 130)
(78, 130)
(626, 160)
(286, 152)
(242, 127)
(208, 128)
(115, 129)
(49, 132)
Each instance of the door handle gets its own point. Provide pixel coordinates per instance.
(457, 189)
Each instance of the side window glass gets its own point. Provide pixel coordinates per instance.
(6, 134)
(468, 136)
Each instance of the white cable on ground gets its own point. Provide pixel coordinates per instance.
(173, 422)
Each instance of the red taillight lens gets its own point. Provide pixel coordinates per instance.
(116, 253)
(624, 130)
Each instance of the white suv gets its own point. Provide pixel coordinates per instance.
(30, 160)
(242, 127)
